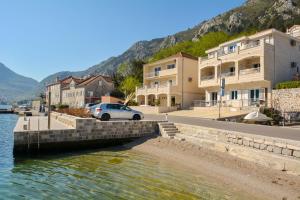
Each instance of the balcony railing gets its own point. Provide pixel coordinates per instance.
(250, 45)
(231, 103)
(161, 73)
(249, 71)
(227, 74)
(161, 88)
(208, 77)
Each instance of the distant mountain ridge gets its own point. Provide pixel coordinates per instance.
(14, 86)
(261, 14)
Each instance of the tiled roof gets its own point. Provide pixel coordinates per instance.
(92, 78)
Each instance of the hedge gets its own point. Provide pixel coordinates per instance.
(288, 85)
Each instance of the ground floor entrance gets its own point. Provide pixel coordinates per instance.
(237, 97)
(164, 100)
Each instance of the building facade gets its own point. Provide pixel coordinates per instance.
(89, 90)
(76, 92)
(250, 67)
(170, 82)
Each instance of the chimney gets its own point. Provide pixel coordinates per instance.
(57, 79)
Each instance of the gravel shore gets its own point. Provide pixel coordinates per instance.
(229, 171)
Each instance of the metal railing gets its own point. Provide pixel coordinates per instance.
(230, 103)
(249, 71)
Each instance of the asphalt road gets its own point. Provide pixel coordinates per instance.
(270, 131)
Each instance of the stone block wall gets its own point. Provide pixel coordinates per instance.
(212, 137)
(287, 100)
(85, 130)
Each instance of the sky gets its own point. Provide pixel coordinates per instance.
(42, 37)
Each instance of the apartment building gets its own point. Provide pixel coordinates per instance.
(250, 67)
(76, 92)
(170, 82)
(90, 90)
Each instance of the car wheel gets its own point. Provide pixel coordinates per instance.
(136, 117)
(105, 117)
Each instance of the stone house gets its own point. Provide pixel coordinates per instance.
(76, 92)
(90, 90)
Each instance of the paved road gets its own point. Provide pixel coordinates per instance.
(271, 131)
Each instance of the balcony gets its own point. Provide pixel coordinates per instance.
(249, 71)
(157, 89)
(227, 74)
(208, 77)
(162, 73)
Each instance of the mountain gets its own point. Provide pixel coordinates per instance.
(14, 86)
(258, 14)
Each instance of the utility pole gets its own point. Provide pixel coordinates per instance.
(49, 109)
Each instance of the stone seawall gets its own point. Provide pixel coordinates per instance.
(86, 132)
(272, 152)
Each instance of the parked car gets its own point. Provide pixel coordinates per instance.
(89, 106)
(107, 111)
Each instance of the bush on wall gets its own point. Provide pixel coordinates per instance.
(288, 85)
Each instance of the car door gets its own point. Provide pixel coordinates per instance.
(114, 111)
(126, 112)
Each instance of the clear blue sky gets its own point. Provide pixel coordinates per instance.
(41, 37)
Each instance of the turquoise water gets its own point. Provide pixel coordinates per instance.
(98, 174)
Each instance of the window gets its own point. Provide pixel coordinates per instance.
(172, 66)
(190, 79)
(100, 83)
(91, 93)
(114, 106)
(234, 95)
(170, 82)
(156, 71)
(293, 64)
(257, 65)
(293, 42)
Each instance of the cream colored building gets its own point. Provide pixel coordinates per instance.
(250, 66)
(90, 90)
(170, 82)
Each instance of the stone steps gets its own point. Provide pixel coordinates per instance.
(168, 130)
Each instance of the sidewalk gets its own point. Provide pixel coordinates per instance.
(39, 123)
(270, 131)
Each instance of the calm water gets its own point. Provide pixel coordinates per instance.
(96, 175)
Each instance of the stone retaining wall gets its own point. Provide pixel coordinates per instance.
(287, 100)
(85, 130)
(272, 152)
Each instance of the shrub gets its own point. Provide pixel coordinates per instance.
(274, 114)
(53, 107)
(132, 103)
(288, 85)
(62, 106)
(78, 112)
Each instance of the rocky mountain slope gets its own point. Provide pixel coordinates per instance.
(259, 14)
(14, 86)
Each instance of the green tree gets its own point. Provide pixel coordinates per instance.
(129, 84)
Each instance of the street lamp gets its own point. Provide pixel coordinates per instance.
(221, 88)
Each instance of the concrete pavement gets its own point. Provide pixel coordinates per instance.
(270, 131)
